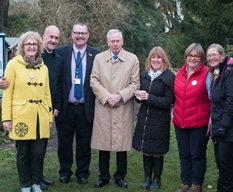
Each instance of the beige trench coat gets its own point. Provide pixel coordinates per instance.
(113, 127)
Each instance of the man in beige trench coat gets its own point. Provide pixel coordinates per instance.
(114, 80)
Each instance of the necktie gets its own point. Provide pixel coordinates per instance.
(78, 92)
(115, 57)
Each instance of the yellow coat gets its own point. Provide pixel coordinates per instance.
(26, 100)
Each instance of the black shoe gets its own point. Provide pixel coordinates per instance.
(82, 180)
(121, 183)
(43, 186)
(46, 181)
(101, 183)
(64, 179)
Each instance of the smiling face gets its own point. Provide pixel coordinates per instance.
(193, 59)
(156, 62)
(80, 36)
(30, 47)
(214, 58)
(51, 38)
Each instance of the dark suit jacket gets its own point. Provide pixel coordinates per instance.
(54, 63)
(66, 81)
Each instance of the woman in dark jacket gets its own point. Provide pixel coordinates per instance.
(222, 114)
(152, 132)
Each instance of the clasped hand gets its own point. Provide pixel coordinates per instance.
(114, 100)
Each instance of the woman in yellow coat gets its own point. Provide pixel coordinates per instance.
(26, 109)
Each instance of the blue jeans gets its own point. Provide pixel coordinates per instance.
(192, 145)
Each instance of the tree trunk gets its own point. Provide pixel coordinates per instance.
(4, 5)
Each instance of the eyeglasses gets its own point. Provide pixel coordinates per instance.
(212, 55)
(80, 33)
(31, 44)
(193, 56)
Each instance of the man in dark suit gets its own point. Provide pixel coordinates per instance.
(76, 116)
(53, 61)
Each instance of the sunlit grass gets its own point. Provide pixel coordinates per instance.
(135, 176)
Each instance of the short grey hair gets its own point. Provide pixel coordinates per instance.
(112, 31)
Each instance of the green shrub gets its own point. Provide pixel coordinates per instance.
(4, 137)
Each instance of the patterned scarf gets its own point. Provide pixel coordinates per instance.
(32, 64)
(154, 74)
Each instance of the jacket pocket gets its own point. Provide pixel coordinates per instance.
(18, 108)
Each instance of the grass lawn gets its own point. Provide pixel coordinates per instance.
(170, 177)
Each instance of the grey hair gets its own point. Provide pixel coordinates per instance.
(112, 31)
(218, 47)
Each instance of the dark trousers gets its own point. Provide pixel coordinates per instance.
(192, 145)
(224, 160)
(75, 124)
(46, 143)
(29, 160)
(121, 164)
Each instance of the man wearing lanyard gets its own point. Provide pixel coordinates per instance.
(76, 116)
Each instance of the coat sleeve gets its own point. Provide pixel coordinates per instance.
(101, 93)
(48, 96)
(134, 84)
(227, 115)
(8, 92)
(58, 98)
(167, 100)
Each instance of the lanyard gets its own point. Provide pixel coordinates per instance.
(77, 64)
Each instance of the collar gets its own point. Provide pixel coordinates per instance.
(117, 54)
(82, 51)
(187, 69)
(46, 52)
(121, 55)
(153, 74)
(49, 52)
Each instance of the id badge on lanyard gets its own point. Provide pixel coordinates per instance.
(76, 81)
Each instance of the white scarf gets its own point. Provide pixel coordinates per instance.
(154, 74)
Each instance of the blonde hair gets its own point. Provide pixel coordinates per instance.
(158, 51)
(24, 37)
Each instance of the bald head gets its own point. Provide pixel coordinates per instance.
(51, 37)
(52, 28)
